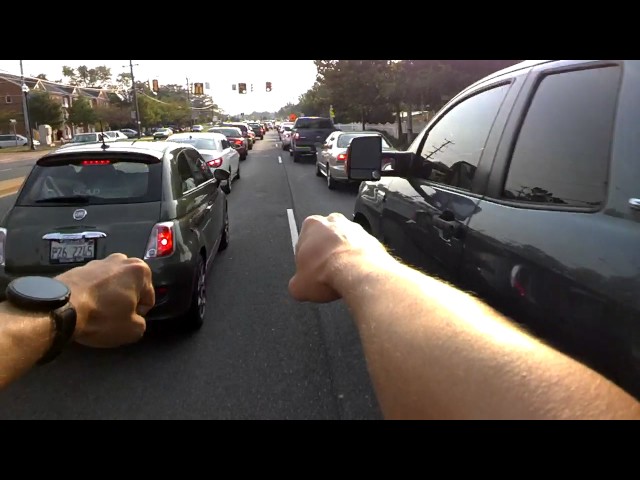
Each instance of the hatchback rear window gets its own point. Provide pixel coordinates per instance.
(229, 132)
(92, 182)
(199, 143)
(313, 123)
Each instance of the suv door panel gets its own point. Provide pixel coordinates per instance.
(424, 219)
(567, 268)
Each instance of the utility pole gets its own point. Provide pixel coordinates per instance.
(135, 99)
(25, 108)
(189, 103)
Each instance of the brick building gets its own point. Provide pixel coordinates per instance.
(11, 104)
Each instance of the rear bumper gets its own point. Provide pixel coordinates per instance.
(304, 149)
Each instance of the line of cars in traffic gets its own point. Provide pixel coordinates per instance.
(162, 201)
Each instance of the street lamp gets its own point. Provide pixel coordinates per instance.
(25, 90)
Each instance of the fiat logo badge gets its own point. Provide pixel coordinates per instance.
(79, 214)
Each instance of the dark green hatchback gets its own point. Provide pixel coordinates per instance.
(151, 200)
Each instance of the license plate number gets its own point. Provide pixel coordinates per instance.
(72, 251)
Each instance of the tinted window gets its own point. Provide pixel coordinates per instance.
(118, 182)
(345, 139)
(242, 128)
(455, 144)
(562, 152)
(200, 169)
(313, 123)
(225, 144)
(229, 132)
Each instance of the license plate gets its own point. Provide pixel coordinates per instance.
(72, 251)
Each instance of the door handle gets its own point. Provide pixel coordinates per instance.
(447, 223)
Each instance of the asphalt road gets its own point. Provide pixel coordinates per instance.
(260, 354)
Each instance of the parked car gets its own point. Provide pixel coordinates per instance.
(116, 135)
(155, 201)
(308, 135)
(162, 134)
(130, 133)
(90, 137)
(237, 141)
(11, 140)
(215, 149)
(197, 128)
(331, 160)
(524, 190)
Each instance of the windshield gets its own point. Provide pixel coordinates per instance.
(199, 143)
(118, 182)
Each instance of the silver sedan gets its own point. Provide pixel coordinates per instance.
(331, 159)
(215, 149)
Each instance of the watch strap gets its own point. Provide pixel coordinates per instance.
(63, 320)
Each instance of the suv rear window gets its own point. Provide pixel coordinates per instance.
(92, 184)
(229, 132)
(313, 123)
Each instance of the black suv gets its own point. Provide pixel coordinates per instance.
(525, 189)
(156, 201)
(308, 135)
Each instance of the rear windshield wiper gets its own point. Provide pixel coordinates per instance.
(69, 199)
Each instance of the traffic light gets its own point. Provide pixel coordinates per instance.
(252, 87)
(242, 88)
(198, 89)
(155, 86)
(268, 86)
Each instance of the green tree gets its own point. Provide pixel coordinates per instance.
(355, 88)
(44, 110)
(81, 113)
(114, 116)
(84, 76)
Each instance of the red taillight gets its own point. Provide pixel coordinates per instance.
(238, 142)
(342, 157)
(161, 242)
(215, 163)
(96, 162)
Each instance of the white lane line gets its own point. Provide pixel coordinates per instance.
(5, 169)
(279, 160)
(293, 228)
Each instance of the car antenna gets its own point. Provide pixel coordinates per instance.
(104, 144)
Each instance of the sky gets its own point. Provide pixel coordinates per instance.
(289, 78)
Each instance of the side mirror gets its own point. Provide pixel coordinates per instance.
(220, 174)
(364, 158)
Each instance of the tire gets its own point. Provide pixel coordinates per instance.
(243, 158)
(318, 172)
(194, 318)
(238, 173)
(296, 157)
(224, 242)
(290, 152)
(331, 183)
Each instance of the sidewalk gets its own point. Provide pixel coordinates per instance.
(8, 157)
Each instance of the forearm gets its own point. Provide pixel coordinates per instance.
(436, 352)
(24, 339)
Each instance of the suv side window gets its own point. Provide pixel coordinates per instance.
(199, 168)
(455, 144)
(561, 155)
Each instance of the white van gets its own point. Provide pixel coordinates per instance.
(11, 140)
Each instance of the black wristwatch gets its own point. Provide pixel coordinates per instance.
(44, 294)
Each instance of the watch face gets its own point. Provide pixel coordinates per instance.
(38, 293)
